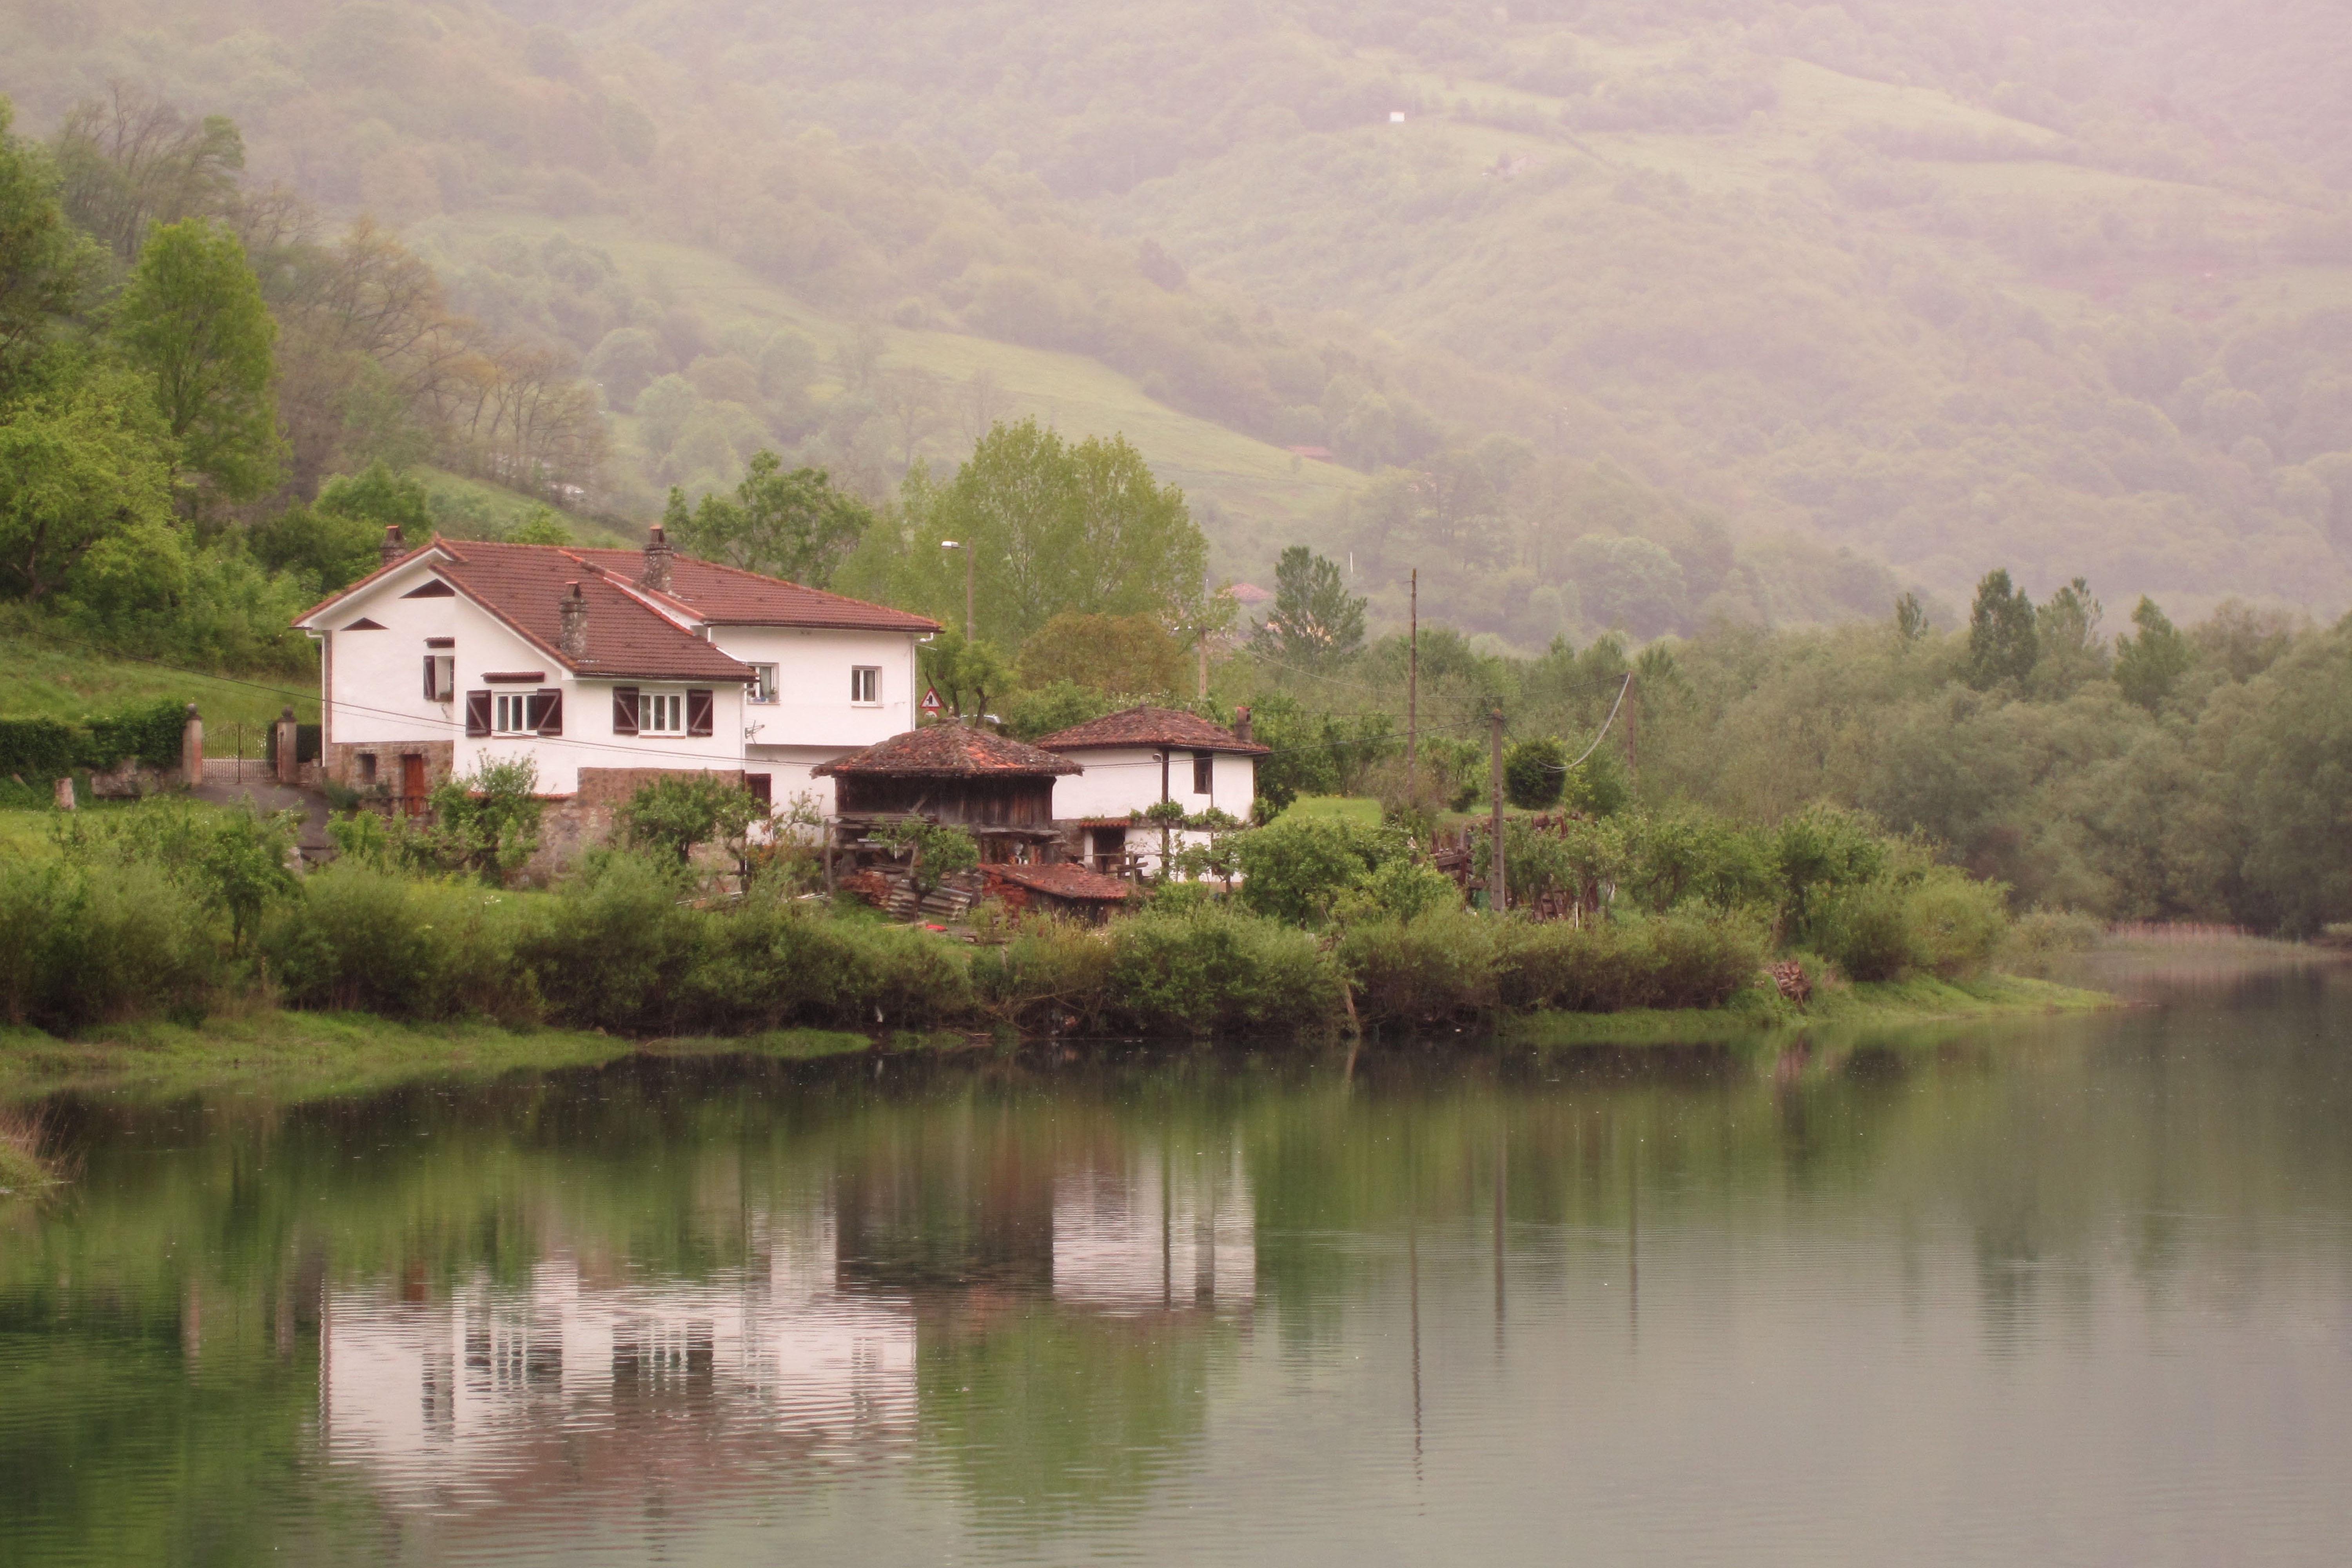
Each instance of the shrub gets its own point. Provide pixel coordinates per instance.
(1689, 958)
(38, 751)
(1535, 771)
(678, 811)
(1939, 920)
(1296, 869)
(1399, 891)
(616, 947)
(1821, 850)
(1053, 972)
(149, 732)
(1432, 969)
(487, 822)
(769, 963)
(359, 937)
(88, 943)
(1208, 970)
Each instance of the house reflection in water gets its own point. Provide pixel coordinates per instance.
(542, 1395)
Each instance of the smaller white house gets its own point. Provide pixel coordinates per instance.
(603, 668)
(1137, 758)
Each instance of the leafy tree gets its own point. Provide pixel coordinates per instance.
(966, 673)
(486, 821)
(1168, 816)
(1296, 869)
(1535, 771)
(383, 497)
(85, 485)
(338, 539)
(543, 525)
(2149, 665)
(1316, 623)
(1131, 654)
(678, 811)
(2069, 651)
(791, 525)
(242, 866)
(934, 850)
(45, 265)
(130, 160)
(2003, 642)
(192, 318)
(1042, 711)
(1910, 619)
(1054, 527)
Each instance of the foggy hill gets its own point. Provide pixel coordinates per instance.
(2068, 290)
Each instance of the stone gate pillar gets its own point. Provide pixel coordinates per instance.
(192, 750)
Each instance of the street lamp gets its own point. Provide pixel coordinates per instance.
(952, 545)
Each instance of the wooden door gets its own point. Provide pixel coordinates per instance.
(412, 785)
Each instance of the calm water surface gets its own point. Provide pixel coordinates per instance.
(2056, 1292)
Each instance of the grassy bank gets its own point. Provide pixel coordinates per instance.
(310, 1054)
(22, 1169)
(1878, 1003)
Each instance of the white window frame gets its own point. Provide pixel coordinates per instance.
(865, 686)
(510, 713)
(766, 689)
(661, 714)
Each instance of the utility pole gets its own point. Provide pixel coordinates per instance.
(1498, 889)
(1633, 728)
(966, 548)
(1413, 700)
(1201, 634)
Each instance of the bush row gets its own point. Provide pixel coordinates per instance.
(41, 749)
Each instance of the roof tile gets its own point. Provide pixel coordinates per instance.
(1062, 880)
(1151, 727)
(950, 751)
(524, 585)
(729, 596)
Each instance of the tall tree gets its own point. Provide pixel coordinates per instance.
(130, 160)
(192, 318)
(85, 480)
(46, 265)
(791, 525)
(2003, 642)
(1316, 621)
(1054, 527)
(2149, 664)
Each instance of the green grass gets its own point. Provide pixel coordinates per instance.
(50, 677)
(470, 498)
(304, 1054)
(1362, 811)
(1889, 1004)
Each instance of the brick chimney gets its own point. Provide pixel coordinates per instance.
(659, 558)
(1242, 724)
(574, 611)
(394, 546)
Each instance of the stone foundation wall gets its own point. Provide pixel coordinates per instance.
(570, 824)
(341, 763)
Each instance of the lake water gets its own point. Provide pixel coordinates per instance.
(2053, 1292)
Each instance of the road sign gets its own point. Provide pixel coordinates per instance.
(932, 706)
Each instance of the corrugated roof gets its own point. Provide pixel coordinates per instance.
(1151, 727)
(1062, 880)
(524, 585)
(729, 595)
(950, 751)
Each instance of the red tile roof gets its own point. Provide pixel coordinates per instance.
(729, 596)
(950, 751)
(523, 585)
(1062, 880)
(1151, 727)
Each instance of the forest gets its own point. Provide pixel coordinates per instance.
(1644, 316)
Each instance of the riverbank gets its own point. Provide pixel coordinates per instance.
(1891, 1003)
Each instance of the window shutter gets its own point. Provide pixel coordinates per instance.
(430, 694)
(547, 712)
(699, 710)
(478, 713)
(624, 709)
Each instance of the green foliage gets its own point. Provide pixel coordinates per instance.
(1398, 889)
(1938, 921)
(2003, 643)
(45, 264)
(1317, 753)
(1316, 623)
(967, 675)
(1208, 970)
(1822, 849)
(150, 731)
(1054, 526)
(90, 941)
(85, 508)
(1047, 709)
(678, 811)
(935, 850)
(1694, 957)
(2150, 664)
(1424, 968)
(485, 822)
(241, 866)
(1106, 654)
(1535, 773)
(192, 318)
(793, 525)
(38, 748)
(1295, 871)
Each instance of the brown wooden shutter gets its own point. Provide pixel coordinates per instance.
(547, 712)
(699, 710)
(624, 709)
(430, 694)
(478, 712)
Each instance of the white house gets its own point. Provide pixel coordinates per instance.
(1136, 759)
(603, 666)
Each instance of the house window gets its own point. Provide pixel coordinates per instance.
(1205, 773)
(865, 685)
(763, 684)
(440, 676)
(366, 765)
(511, 714)
(661, 714)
